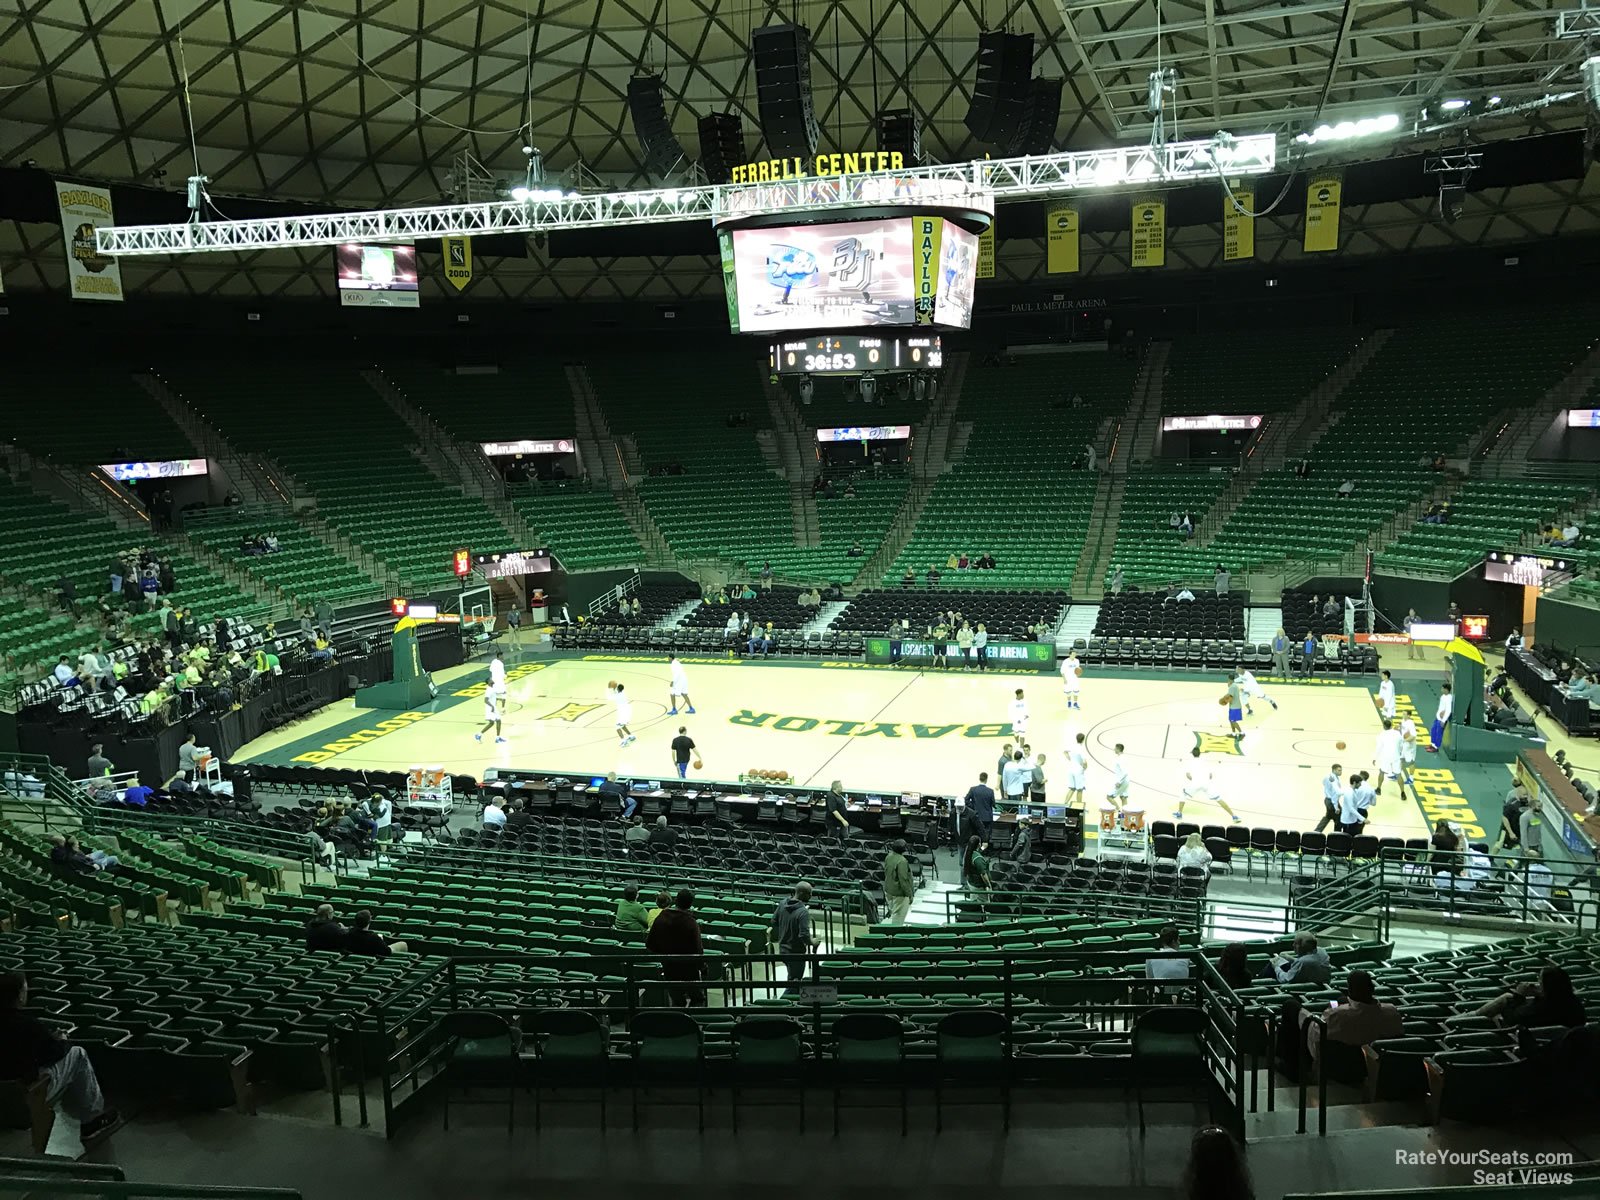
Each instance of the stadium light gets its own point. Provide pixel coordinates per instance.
(1346, 131)
(1454, 105)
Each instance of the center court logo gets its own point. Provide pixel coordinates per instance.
(1216, 743)
(569, 712)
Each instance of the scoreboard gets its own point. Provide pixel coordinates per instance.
(856, 354)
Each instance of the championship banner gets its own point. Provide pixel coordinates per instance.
(927, 236)
(458, 261)
(90, 275)
(1061, 240)
(1238, 228)
(986, 254)
(1149, 243)
(1323, 194)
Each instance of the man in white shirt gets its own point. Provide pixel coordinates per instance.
(1118, 795)
(1200, 784)
(1016, 777)
(1077, 769)
(64, 675)
(492, 716)
(494, 817)
(624, 713)
(1019, 716)
(1331, 784)
(497, 674)
(1071, 678)
(1386, 696)
(1351, 815)
(1441, 718)
(1250, 689)
(679, 687)
(1167, 968)
(1408, 743)
(1386, 755)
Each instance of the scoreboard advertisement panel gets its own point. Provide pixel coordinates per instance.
(851, 273)
(856, 354)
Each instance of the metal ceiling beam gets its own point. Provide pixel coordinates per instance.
(975, 185)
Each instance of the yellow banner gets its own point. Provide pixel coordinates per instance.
(1061, 240)
(927, 234)
(1238, 228)
(1323, 194)
(458, 261)
(1149, 244)
(986, 254)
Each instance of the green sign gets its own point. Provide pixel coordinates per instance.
(1017, 656)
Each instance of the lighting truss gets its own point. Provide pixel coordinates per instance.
(976, 184)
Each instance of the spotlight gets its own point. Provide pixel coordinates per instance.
(520, 194)
(1454, 105)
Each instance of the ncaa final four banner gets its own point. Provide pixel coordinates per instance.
(457, 261)
(1061, 240)
(1324, 195)
(1149, 234)
(90, 275)
(986, 254)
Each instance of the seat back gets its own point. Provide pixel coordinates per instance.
(768, 1041)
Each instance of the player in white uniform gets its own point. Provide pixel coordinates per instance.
(1386, 756)
(497, 674)
(491, 716)
(1250, 689)
(1408, 743)
(1077, 769)
(1071, 678)
(1019, 716)
(1386, 697)
(1441, 720)
(1199, 784)
(679, 686)
(1118, 795)
(624, 707)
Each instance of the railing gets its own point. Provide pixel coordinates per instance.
(613, 987)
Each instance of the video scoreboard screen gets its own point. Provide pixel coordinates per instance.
(856, 354)
(1530, 570)
(505, 563)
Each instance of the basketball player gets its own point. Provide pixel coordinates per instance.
(492, 708)
(679, 686)
(497, 674)
(1250, 689)
(1118, 795)
(1019, 717)
(1386, 756)
(1408, 744)
(1386, 696)
(1235, 706)
(1077, 770)
(1441, 718)
(1071, 678)
(1199, 784)
(624, 707)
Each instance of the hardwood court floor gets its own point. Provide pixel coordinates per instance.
(876, 728)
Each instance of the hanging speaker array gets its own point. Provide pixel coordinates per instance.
(783, 90)
(660, 148)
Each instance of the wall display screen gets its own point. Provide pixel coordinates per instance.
(850, 274)
(377, 276)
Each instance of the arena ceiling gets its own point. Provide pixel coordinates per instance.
(363, 103)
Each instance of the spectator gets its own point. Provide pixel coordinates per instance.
(625, 801)
(662, 834)
(1222, 580)
(909, 579)
(1167, 968)
(99, 764)
(1511, 810)
(898, 889)
(65, 852)
(974, 866)
(1216, 1169)
(637, 834)
(324, 931)
(30, 1048)
(855, 549)
(189, 755)
(1446, 844)
(791, 935)
(632, 916)
(1117, 580)
(1022, 843)
(1014, 780)
(933, 576)
(1551, 1001)
(1234, 966)
(978, 804)
(663, 902)
(675, 935)
(1357, 1022)
(361, 939)
(1280, 653)
(1347, 489)
(1308, 654)
(64, 674)
(1330, 607)
(520, 817)
(1307, 963)
(380, 809)
(838, 811)
(1193, 853)
(494, 817)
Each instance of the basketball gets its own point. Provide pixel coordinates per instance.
(612, 684)
(1338, 745)
(1222, 701)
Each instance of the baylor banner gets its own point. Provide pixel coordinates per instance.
(1061, 240)
(1238, 228)
(986, 254)
(927, 234)
(458, 261)
(1149, 246)
(1322, 213)
(90, 275)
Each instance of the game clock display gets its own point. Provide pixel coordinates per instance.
(856, 354)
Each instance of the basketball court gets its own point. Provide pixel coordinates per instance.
(879, 729)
